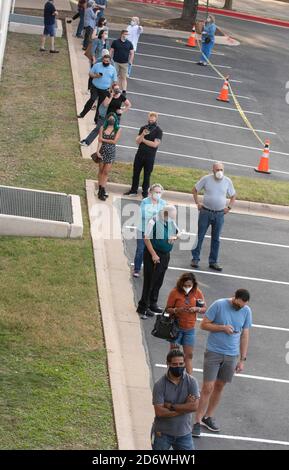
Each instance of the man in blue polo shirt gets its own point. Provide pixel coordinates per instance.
(104, 76)
(50, 14)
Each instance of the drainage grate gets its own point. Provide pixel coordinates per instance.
(34, 204)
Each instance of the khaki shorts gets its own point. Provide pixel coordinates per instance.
(121, 70)
(219, 367)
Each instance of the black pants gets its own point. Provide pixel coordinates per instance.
(94, 94)
(153, 279)
(147, 164)
(87, 36)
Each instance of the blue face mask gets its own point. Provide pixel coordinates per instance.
(156, 196)
(176, 371)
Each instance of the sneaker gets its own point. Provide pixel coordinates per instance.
(196, 431)
(194, 264)
(83, 143)
(144, 316)
(68, 21)
(136, 274)
(216, 267)
(210, 424)
(42, 49)
(79, 116)
(155, 309)
(130, 193)
(54, 51)
(149, 313)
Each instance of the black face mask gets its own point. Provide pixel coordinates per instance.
(236, 307)
(176, 371)
(105, 64)
(151, 126)
(110, 122)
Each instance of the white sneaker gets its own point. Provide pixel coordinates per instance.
(83, 143)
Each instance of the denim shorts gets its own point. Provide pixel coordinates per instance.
(185, 337)
(49, 30)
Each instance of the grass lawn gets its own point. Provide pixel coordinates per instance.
(54, 387)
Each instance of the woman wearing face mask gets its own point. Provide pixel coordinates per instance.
(101, 24)
(109, 134)
(99, 44)
(182, 305)
(208, 39)
(149, 208)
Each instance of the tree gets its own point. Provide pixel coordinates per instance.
(190, 9)
(228, 4)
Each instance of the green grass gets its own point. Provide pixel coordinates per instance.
(54, 386)
(183, 179)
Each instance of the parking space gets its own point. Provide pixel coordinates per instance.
(254, 253)
(198, 129)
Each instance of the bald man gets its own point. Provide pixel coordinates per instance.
(217, 188)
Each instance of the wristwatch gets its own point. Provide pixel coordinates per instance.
(172, 408)
(243, 359)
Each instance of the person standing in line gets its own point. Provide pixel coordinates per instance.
(90, 16)
(148, 140)
(122, 54)
(211, 212)
(182, 304)
(160, 235)
(109, 135)
(101, 5)
(80, 14)
(208, 40)
(228, 322)
(103, 76)
(134, 31)
(101, 24)
(149, 208)
(50, 14)
(175, 398)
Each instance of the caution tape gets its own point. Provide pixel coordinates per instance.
(235, 99)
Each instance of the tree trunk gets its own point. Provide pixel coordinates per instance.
(190, 9)
(228, 4)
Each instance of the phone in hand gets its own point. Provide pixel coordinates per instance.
(101, 74)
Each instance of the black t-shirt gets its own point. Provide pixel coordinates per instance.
(145, 150)
(121, 50)
(49, 9)
(116, 104)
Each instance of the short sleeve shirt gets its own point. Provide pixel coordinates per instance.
(179, 299)
(109, 76)
(49, 18)
(121, 50)
(221, 312)
(116, 104)
(165, 391)
(215, 191)
(144, 150)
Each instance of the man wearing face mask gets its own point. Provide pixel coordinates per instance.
(216, 188)
(175, 398)
(228, 322)
(103, 76)
(122, 54)
(148, 140)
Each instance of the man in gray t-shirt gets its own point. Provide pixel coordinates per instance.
(217, 188)
(175, 398)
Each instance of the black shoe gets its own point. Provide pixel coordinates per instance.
(144, 196)
(42, 49)
(155, 309)
(210, 424)
(130, 193)
(79, 116)
(194, 264)
(54, 51)
(196, 432)
(101, 194)
(68, 21)
(106, 195)
(216, 267)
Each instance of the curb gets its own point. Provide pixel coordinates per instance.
(218, 11)
(240, 207)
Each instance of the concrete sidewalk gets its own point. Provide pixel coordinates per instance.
(39, 4)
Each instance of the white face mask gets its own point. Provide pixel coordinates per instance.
(132, 23)
(156, 196)
(187, 289)
(219, 175)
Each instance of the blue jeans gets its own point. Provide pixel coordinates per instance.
(207, 50)
(166, 442)
(139, 251)
(81, 22)
(216, 220)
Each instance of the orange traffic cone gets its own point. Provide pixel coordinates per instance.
(192, 39)
(224, 93)
(264, 160)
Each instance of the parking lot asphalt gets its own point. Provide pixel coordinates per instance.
(198, 129)
(254, 253)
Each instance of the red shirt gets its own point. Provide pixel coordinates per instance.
(177, 299)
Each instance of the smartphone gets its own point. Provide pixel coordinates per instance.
(99, 73)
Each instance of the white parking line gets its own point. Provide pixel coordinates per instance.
(216, 123)
(241, 376)
(166, 98)
(192, 157)
(241, 438)
(188, 88)
(220, 142)
(178, 60)
(179, 48)
(183, 73)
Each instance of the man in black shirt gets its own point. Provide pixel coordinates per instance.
(50, 14)
(148, 140)
(122, 53)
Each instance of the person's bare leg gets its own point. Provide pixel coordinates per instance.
(52, 47)
(100, 171)
(215, 398)
(106, 170)
(206, 392)
(188, 351)
(43, 39)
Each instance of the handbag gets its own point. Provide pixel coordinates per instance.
(165, 327)
(87, 51)
(95, 157)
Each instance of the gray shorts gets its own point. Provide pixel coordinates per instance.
(219, 367)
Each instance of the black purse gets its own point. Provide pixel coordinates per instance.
(165, 328)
